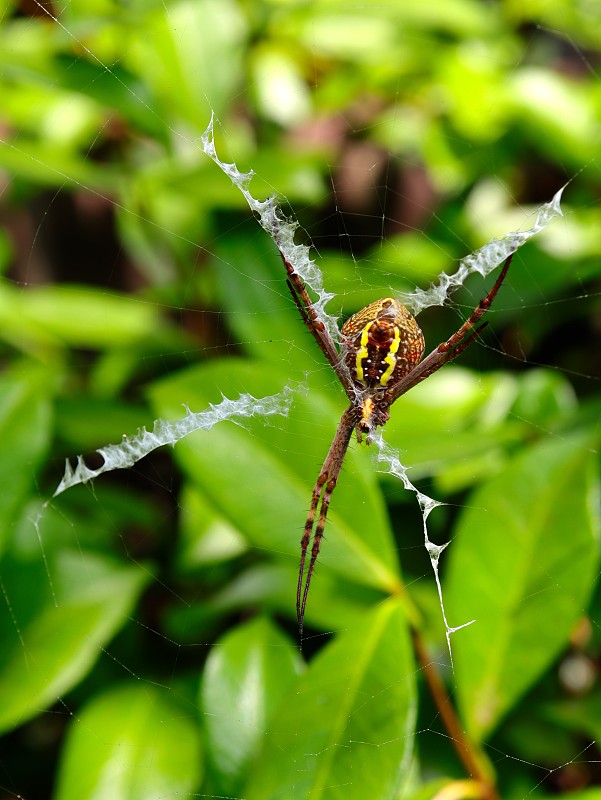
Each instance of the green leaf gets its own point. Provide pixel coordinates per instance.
(451, 419)
(197, 47)
(522, 563)
(84, 318)
(247, 675)
(62, 612)
(260, 309)
(50, 164)
(206, 537)
(73, 315)
(459, 426)
(335, 603)
(578, 713)
(555, 112)
(24, 432)
(130, 743)
(260, 477)
(347, 730)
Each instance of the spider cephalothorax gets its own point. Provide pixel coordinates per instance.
(378, 359)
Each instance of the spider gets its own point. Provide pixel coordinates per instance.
(378, 360)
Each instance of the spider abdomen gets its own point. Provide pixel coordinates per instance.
(383, 342)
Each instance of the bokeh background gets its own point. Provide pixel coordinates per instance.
(148, 638)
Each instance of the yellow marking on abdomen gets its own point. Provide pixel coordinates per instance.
(362, 351)
(390, 358)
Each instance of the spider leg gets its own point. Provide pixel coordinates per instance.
(317, 492)
(323, 489)
(317, 328)
(454, 345)
(299, 305)
(455, 340)
(448, 353)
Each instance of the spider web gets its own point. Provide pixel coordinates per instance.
(482, 262)
(242, 408)
(282, 231)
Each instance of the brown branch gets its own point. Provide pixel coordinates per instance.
(464, 748)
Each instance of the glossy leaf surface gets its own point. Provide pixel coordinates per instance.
(57, 624)
(522, 563)
(134, 742)
(346, 729)
(247, 675)
(24, 433)
(273, 463)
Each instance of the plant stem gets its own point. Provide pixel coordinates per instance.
(464, 748)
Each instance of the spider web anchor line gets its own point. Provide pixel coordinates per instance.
(282, 230)
(482, 261)
(390, 463)
(133, 448)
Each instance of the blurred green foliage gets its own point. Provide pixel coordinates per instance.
(147, 628)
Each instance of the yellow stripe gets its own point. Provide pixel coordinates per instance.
(362, 351)
(390, 358)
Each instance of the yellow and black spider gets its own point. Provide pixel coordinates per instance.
(378, 359)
